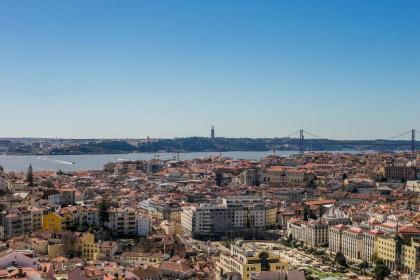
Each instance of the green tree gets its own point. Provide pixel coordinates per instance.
(363, 266)
(340, 259)
(305, 214)
(69, 241)
(48, 184)
(375, 258)
(289, 238)
(30, 176)
(219, 179)
(103, 211)
(381, 270)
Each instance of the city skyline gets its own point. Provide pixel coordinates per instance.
(342, 70)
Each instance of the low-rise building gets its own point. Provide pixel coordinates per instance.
(16, 222)
(312, 233)
(52, 222)
(90, 249)
(138, 259)
(122, 221)
(248, 259)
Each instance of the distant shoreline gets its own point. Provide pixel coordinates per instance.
(193, 144)
(206, 151)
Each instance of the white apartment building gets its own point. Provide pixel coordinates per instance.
(204, 219)
(18, 221)
(312, 233)
(316, 234)
(53, 196)
(295, 229)
(221, 216)
(250, 216)
(36, 218)
(143, 226)
(369, 238)
(122, 221)
(387, 227)
(352, 243)
(334, 238)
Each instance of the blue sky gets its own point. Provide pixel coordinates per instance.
(116, 69)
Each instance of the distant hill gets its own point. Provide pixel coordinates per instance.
(202, 144)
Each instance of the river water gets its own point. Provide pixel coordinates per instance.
(96, 162)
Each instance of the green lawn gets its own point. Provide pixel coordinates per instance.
(322, 274)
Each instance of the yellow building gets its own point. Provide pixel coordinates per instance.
(52, 222)
(270, 215)
(248, 258)
(409, 256)
(90, 249)
(55, 250)
(385, 248)
(171, 214)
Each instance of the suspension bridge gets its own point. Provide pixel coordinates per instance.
(302, 134)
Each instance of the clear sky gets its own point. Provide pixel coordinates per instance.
(116, 69)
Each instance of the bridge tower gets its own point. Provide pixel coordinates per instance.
(413, 141)
(301, 138)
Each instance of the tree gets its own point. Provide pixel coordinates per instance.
(375, 258)
(312, 184)
(30, 176)
(219, 179)
(103, 211)
(305, 214)
(289, 238)
(363, 266)
(312, 216)
(69, 244)
(381, 270)
(340, 259)
(354, 190)
(48, 184)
